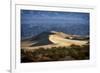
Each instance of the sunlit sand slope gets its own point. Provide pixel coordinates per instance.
(66, 42)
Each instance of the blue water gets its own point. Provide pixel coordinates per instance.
(34, 22)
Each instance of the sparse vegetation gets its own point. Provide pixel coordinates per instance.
(56, 54)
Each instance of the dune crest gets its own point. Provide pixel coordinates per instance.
(53, 39)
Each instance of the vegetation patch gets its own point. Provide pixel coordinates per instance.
(56, 54)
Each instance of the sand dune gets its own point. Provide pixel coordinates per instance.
(62, 41)
(52, 39)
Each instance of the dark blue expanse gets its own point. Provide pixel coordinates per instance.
(34, 22)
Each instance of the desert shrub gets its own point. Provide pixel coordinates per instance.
(80, 52)
(56, 54)
(26, 56)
